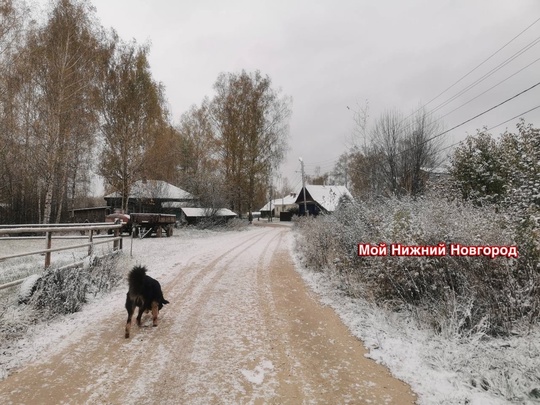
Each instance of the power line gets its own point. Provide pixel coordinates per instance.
(325, 162)
(478, 81)
(488, 74)
(477, 67)
(476, 116)
(495, 126)
(491, 88)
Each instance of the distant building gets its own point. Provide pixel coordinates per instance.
(275, 207)
(321, 199)
(436, 173)
(90, 214)
(193, 216)
(153, 196)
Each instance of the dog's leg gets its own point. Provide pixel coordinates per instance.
(130, 307)
(139, 315)
(155, 312)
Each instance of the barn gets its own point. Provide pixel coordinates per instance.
(90, 214)
(193, 216)
(153, 196)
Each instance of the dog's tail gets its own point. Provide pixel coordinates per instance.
(136, 279)
(162, 302)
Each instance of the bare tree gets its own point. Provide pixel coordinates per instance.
(200, 165)
(133, 114)
(13, 22)
(398, 157)
(56, 81)
(164, 161)
(251, 123)
(419, 152)
(386, 140)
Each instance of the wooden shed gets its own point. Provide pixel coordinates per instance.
(152, 196)
(193, 216)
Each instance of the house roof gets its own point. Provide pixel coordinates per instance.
(287, 200)
(175, 204)
(326, 196)
(155, 189)
(206, 212)
(435, 170)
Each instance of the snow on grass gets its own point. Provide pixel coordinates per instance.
(476, 370)
(31, 342)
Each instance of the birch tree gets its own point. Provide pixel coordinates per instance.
(59, 76)
(133, 113)
(13, 23)
(199, 157)
(250, 118)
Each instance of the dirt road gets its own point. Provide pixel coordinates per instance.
(241, 328)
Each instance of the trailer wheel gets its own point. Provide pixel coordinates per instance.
(169, 231)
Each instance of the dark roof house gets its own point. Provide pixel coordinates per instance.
(321, 199)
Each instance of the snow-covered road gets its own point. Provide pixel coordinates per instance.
(241, 328)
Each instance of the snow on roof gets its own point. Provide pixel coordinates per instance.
(175, 204)
(155, 189)
(287, 200)
(326, 196)
(435, 170)
(206, 212)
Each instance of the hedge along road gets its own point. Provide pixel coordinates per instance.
(241, 328)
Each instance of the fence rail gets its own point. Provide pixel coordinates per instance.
(49, 229)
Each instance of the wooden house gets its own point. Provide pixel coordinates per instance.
(321, 199)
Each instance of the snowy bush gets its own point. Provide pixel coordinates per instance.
(220, 223)
(453, 294)
(65, 290)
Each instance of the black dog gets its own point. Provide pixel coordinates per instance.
(145, 293)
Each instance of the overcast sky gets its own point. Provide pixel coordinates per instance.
(327, 55)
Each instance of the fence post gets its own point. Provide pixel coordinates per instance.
(48, 254)
(116, 234)
(91, 240)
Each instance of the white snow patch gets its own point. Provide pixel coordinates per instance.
(256, 376)
(432, 365)
(439, 370)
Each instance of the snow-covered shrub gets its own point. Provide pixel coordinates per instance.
(60, 291)
(65, 290)
(217, 223)
(319, 241)
(236, 224)
(460, 294)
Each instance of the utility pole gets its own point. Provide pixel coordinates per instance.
(270, 216)
(346, 170)
(303, 186)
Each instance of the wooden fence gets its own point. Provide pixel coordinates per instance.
(50, 229)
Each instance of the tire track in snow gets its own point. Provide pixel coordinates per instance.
(241, 329)
(214, 342)
(106, 363)
(288, 366)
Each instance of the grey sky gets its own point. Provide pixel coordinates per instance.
(329, 55)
